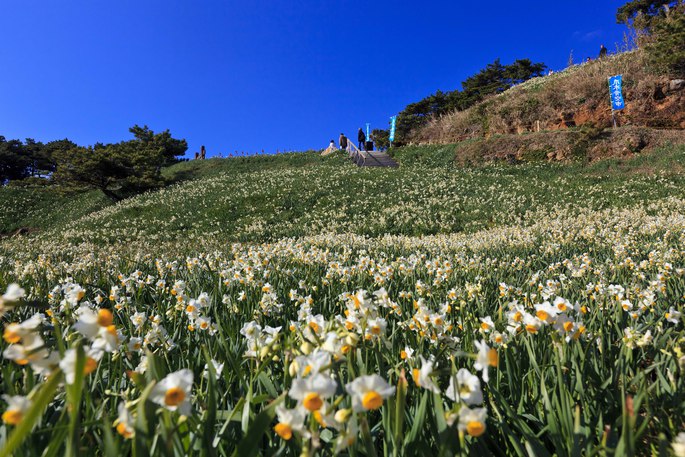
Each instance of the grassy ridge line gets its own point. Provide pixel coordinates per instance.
(43, 208)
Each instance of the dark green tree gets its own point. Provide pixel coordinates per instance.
(381, 138)
(38, 157)
(523, 70)
(641, 13)
(493, 79)
(169, 147)
(119, 169)
(666, 46)
(13, 160)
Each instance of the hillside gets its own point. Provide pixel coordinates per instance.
(253, 270)
(269, 197)
(567, 100)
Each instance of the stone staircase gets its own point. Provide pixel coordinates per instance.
(374, 159)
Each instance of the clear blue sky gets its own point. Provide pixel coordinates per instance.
(262, 74)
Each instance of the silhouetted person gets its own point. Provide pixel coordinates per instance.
(602, 51)
(343, 141)
(197, 155)
(203, 152)
(361, 137)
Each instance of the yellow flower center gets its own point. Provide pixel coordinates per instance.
(376, 330)
(531, 328)
(283, 430)
(90, 365)
(518, 316)
(475, 428)
(10, 335)
(124, 431)
(403, 355)
(568, 326)
(372, 400)
(312, 401)
(22, 361)
(105, 318)
(174, 396)
(314, 326)
(112, 330)
(190, 309)
(415, 374)
(12, 416)
(493, 359)
(484, 326)
(542, 315)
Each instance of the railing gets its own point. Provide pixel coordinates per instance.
(358, 156)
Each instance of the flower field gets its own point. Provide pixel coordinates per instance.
(497, 311)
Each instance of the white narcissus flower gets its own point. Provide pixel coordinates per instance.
(135, 344)
(465, 386)
(368, 392)
(485, 358)
(472, 420)
(14, 332)
(678, 445)
(138, 319)
(98, 326)
(124, 422)
(17, 405)
(314, 363)
(289, 421)
(673, 316)
(486, 324)
(11, 298)
(142, 365)
(313, 390)
(173, 392)
(546, 312)
(422, 376)
(13, 294)
(406, 353)
(32, 351)
(218, 369)
(68, 363)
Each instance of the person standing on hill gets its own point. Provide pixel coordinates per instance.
(361, 137)
(602, 51)
(343, 141)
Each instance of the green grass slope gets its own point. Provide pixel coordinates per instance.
(267, 198)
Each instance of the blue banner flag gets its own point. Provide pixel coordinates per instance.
(616, 90)
(393, 120)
